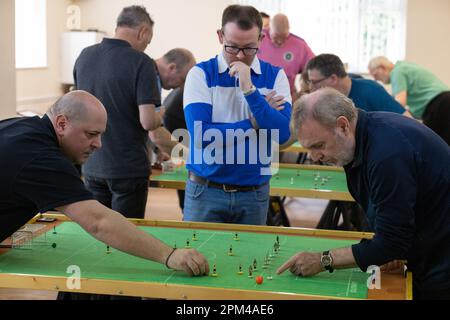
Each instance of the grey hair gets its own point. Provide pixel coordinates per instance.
(325, 106)
(379, 61)
(181, 57)
(69, 106)
(133, 17)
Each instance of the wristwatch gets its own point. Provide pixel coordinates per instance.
(326, 261)
(250, 91)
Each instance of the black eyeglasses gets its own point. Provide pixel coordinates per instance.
(315, 82)
(235, 50)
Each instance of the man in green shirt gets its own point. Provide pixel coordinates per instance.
(427, 97)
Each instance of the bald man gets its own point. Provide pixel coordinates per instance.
(284, 49)
(38, 174)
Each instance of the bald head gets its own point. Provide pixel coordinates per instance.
(325, 106)
(76, 106)
(79, 120)
(279, 29)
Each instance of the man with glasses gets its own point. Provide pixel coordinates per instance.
(231, 124)
(327, 70)
(284, 49)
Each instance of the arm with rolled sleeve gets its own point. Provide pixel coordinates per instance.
(393, 191)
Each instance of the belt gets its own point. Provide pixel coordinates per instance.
(225, 187)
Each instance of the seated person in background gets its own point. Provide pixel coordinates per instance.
(427, 97)
(395, 165)
(39, 174)
(327, 70)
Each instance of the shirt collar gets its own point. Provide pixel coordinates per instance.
(49, 125)
(223, 65)
(361, 124)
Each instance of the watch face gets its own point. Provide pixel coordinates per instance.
(326, 261)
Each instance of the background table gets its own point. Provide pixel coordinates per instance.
(292, 180)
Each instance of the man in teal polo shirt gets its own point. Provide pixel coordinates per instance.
(428, 97)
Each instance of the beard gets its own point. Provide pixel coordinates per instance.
(346, 150)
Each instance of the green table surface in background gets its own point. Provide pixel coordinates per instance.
(286, 178)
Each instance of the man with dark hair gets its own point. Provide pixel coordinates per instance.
(285, 50)
(38, 174)
(327, 70)
(266, 20)
(398, 167)
(223, 97)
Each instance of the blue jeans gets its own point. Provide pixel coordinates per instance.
(126, 196)
(207, 204)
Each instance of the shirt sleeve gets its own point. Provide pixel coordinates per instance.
(393, 192)
(50, 181)
(266, 116)
(197, 102)
(399, 82)
(147, 88)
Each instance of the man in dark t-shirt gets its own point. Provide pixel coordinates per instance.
(38, 173)
(124, 79)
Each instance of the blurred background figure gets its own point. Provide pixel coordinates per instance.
(284, 49)
(427, 97)
(266, 20)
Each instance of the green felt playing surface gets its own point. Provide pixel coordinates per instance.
(76, 247)
(287, 178)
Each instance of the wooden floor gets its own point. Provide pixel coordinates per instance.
(162, 204)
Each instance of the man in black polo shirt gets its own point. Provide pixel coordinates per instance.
(399, 171)
(124, 79)
(38, 173)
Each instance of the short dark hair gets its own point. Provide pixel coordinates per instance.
(264, 15)
(327, 64)
(134, 16)
(246, 17)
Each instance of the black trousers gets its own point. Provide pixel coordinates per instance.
(126, 196)
(437, 115)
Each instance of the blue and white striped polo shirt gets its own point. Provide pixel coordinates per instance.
(224, 147)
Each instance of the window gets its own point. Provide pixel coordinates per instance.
(355, 30)
(31, 33)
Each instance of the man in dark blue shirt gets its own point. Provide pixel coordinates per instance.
(327, 70)
(399, 171)
(37, 173)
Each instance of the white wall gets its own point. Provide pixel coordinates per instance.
(428, 36)
(178, 23)
(37, 89)
(7, 60)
